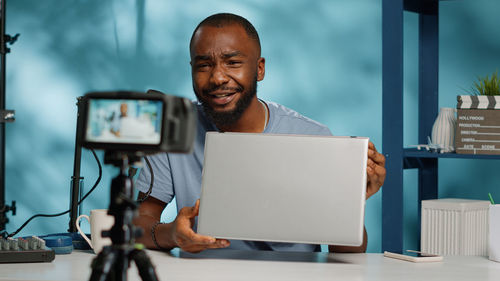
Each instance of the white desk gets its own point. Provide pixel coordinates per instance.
(223, 265)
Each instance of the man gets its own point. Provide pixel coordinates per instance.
(226, 64)
(116, 120)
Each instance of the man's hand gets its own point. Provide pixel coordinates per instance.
(178, 233)
(185, 238)
(375, 170)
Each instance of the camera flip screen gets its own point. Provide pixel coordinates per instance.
(127, 121)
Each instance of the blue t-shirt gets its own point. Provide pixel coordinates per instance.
(179, 175)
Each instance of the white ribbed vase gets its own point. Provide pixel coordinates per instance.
(443, 130)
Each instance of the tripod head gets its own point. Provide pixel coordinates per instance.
(122, 206)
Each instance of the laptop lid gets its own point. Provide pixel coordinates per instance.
(284, 188)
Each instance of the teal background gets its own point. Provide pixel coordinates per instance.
(323, 60)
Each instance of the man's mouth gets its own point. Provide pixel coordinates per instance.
(221, 98)
(221, 95)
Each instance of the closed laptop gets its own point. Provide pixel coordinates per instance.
(284, 188)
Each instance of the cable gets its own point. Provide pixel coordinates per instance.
(60, 214)
(150, 184)
(98, 178)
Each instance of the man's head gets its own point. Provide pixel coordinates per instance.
(226, 65)
(123, 109)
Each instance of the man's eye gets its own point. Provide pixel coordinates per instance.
(234, 62)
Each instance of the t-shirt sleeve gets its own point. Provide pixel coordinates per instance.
(301, 126)
(162, 178)
(325, 131)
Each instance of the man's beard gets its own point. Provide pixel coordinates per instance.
(228, 118)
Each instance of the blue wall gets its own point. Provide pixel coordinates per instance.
(323, 59)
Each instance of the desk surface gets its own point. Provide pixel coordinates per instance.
(233, 265)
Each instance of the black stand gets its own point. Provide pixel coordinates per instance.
(76, 178)
(5, 116)
(113, 261)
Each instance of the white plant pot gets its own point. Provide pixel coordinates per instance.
(443, 130)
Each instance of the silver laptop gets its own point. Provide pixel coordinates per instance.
(284, 188)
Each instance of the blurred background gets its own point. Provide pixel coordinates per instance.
(323, 59)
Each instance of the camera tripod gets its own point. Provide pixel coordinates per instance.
(112, 263)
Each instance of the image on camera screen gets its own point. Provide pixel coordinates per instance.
(124, 121)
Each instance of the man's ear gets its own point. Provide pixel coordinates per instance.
(261, 69)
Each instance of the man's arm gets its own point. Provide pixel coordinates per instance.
(178, 233)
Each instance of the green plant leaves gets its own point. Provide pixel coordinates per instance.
(487, 86)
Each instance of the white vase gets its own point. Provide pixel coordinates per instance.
(443, 130)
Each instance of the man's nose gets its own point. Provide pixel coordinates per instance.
(219, 76)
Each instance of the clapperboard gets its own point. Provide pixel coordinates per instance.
(478, 125)
(478, 102)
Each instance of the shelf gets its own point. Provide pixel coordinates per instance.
(415, 153)
(418, 6)
(421, 159)
(397, 157)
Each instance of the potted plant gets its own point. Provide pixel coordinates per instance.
(478, 117)
(487, 86)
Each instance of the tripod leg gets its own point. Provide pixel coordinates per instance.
(102, 265)
(144, 265)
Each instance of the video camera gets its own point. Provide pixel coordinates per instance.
(133, 122)
(127, 126)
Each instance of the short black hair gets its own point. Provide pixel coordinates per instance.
(225, 19)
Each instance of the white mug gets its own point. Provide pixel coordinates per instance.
(99, 220)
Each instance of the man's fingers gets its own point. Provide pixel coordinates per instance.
(374, 155)
(190, 212)
(211, 243)
(201, 239)
(370, 163)
(380, 159)
(376, 175)
(190, 241)
(371, 146)
(375, 170)
(221, 243)
(196, 208)
(187, 239)
(375, 181)
(377, 157)
(199, 243)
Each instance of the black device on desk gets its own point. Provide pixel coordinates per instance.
(30, 249)
(128, 126)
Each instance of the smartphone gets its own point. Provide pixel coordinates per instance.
(414, 256)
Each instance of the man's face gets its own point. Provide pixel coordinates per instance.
(226, 66)
(123, 109)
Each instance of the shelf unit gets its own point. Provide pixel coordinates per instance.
(397, 157)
